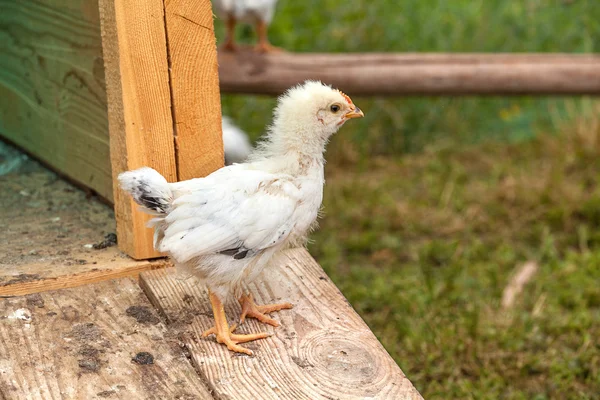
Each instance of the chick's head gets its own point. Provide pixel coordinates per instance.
(315, 108)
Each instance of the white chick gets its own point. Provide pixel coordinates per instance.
(227, 226)
(256, 12)
(236, 145)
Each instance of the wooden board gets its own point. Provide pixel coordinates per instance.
(82, 268)
(52, 87)
(48, 229)
(139, 112)
(85, 343)
(322, 350)
(397, 74)
(194, 87)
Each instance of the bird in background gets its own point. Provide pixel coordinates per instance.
(256, 12)
(227, 227)
(236, 144)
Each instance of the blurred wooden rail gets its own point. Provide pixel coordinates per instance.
(388, 74)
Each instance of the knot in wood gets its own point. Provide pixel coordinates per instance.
(342, 361)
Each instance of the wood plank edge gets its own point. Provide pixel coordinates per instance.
(133, 269)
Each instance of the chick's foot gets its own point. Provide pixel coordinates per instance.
(267, 48)
(250, 309)
(263, 45)
(224, 334)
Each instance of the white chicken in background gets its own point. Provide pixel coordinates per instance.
(236, 144)
(227, 226)
(256, 12)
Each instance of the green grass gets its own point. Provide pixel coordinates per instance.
(431, 204)
(424, 245)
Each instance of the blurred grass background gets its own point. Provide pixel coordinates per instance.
(431, 204)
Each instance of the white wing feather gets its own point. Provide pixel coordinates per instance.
(232, 208)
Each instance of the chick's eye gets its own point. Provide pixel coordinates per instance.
(335, 108)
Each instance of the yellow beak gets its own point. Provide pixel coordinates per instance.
(356, 113)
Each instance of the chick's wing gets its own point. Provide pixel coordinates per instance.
(238, 209)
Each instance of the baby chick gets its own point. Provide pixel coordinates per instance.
(257, 12)
(227, 226)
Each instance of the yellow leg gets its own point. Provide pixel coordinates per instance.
(224, 334)
(263, 45)
(250, 309)
(230, 40)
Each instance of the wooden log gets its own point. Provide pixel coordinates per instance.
(322, 350)
(384, 74)
(195, 87)
(52, 96)
(139, 107)
(89, 343)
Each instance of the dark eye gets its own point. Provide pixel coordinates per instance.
(335, 108)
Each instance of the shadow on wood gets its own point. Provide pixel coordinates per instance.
(387, 74)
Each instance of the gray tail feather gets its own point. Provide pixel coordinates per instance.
(148, 189)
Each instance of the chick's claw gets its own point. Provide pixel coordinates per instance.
(224, 333)
(231, 340)
(250, 309)
(213, 330)
(267, 48)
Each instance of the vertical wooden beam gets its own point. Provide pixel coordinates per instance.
(194, 87)
(139, 106)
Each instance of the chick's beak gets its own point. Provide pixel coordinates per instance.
(355, 113)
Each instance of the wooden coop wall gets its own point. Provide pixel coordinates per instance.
(52, 90)
(94, 88)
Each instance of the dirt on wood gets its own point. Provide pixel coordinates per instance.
(44, 219)
(106, 393)
(35, 300)
(143, 315)
(109, 240)
(143, 358)
(21, 278)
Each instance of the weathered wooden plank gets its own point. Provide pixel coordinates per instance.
(81, 344)
(194, 87)
(139, 112)
(414, 74)
(322, 350)
(82, 268)
(52, 96)
(47, 227)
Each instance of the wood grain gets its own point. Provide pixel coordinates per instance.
(323, 349)
(194, 87)
(413, 74)
(139, 112)
(53, 100)
(80, 344)
(85, 267)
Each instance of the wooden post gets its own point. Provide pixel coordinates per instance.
(139, 107)
(195, 87)
(163, 94)
(389, 74)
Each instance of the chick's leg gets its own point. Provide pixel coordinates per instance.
(224, 334)
(263, 45)
(250, 309)
(230, 40)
